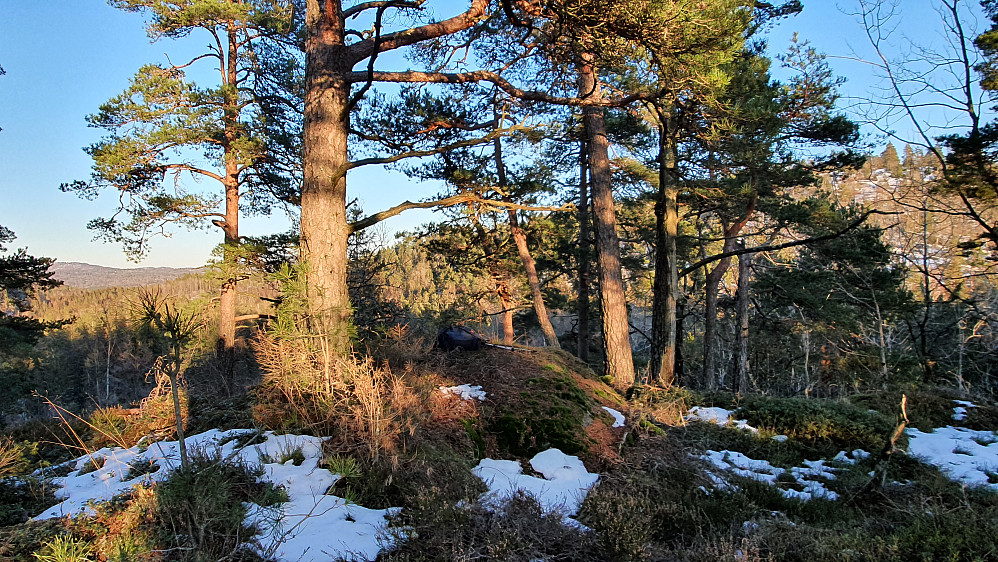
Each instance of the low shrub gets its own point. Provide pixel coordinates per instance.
(199, 510)
(838, 424)
(518, 529)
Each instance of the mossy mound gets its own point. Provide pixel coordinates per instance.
(537, 399)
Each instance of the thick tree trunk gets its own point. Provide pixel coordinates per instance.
(226, 345)
(324, 229)
(225, 351)
(666, 287)
(584, 255)
(742, 336)
(520, 239)
(619, 364)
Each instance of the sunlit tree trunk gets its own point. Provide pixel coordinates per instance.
(619, 364)
(324, 229)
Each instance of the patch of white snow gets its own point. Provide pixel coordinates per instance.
(618, 418)
(964, 455)
(565, 484)
(310, 526)
(718, 416)
(465, 391)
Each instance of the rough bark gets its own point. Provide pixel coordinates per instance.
(742, 336)
(666, 286)
(712, 286)
(505, 299)
(584, 256)
(520, 239)
(329, 63)
(619, 365)
(324, 229)
(230, 225)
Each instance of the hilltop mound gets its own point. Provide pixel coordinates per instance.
(535, 400)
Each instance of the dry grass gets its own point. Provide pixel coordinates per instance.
(9, 457)
(363, 406)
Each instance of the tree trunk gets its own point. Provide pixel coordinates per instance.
(226, 345)
(508, 335)
(680, 373)
(709, 373)
(619, 364)
(584, 255)
(520, 239)
(742, 336)
(666, 287)
(324, 229)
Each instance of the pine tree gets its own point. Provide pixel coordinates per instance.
(20, 276)
(168, 134)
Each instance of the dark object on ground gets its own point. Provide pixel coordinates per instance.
(461, 338)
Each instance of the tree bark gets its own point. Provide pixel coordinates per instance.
(324, 228)
(618, 364)
(226, 345)
(666, 286)
(742, 336)
(584, 255)
(709, 373)
(505, 300)
(329, 63)
(520, 239)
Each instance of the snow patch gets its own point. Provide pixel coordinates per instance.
(738, 464)
(310, 526)
(960, 411)
(718, 416)
(564, 485)
(964, 455)
(618, 418)
(465, 391)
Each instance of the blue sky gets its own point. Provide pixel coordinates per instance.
(65, 57)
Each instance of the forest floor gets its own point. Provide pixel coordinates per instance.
(515, 455)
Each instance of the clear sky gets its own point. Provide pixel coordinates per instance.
(65, 57)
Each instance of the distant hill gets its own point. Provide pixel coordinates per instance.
(86, 276)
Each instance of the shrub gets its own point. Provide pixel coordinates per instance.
(840, 424)
(65, 548)
(200, 507)
(518, 529)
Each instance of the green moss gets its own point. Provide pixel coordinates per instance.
(536, 424)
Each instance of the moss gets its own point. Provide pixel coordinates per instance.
(552, 415)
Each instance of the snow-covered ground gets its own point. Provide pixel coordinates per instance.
(310, 526)
(965, 455)
(564, 485)
(618, 418)
(718, 416)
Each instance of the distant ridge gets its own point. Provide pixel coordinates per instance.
(86, 276)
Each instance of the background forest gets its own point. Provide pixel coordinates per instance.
(649, 206)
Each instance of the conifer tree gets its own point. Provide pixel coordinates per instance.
(168, 134)
(20, 276)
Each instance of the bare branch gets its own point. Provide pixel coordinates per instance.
(724, 255)
(502, 83)
(451, 201)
